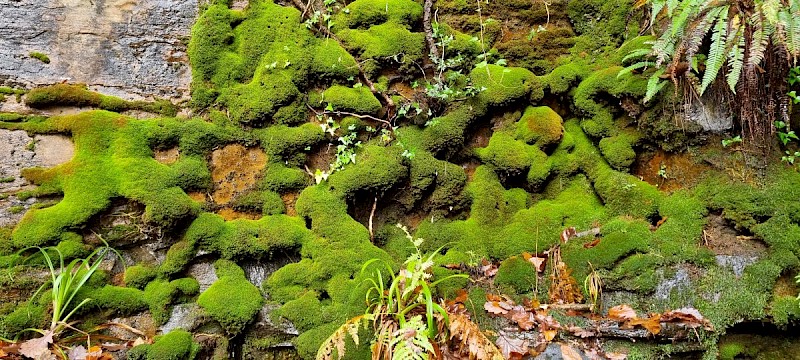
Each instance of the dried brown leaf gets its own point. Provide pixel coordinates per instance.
(522, 318)
(493, 307)
(511, 347)
(538, 262)
(549, 335)
(616, 356)
(568, 353)
(38, 348)
(592, 243)
(621, 313)
(689, 316)
(652, 324)
(581, 332)
(471, 338)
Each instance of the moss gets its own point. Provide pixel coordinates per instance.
(363, 13)
(333, 61)
(26, 316)
(192, 173)
(281, 142)
(99, 172)
(601, 23)
(263, 202)
(444, 181)
(39, 56)
(540, 126)
(79, 95)
(506, 154)
(678, 236)
(625, 194)
(385, 42)
(138, 275)
(599, 121)
(358, 100)
(176, 345)
(159, 294)
(251, 238)
(377, 169)
(280, 178)
(517, 273)
(178, 256)
(620, 237)
(729, 351)
(618, 151)
(257, 102)
(784, 309)
(121, 300)
(636, 273)
(505, 85)
(232, 300)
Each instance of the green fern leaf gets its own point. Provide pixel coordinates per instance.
(759, 42)
(636, 54)
(654, 85)
(638, 65)
(716, 54)
(736, 62)
(699, 31)
(656, 7)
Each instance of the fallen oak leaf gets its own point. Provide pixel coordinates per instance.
(652, 324)
(538, 262)
(522, 318)
(511, 347)
(621, 313)
(550, 334)
(494, 307)
(616, 356)
(691, 317)
(38, 348)
(592, 243)
(581, 332)
(568, 353)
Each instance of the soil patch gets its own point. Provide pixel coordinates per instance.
(52, 150)
(234, 170)
(168, 156)
(670, 171)
(721, 238)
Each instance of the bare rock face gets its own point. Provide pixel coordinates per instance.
(128, 48)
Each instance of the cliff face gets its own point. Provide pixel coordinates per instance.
(128, 48)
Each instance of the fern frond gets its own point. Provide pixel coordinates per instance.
(638, 65)
(671, 6)
(679, 21)
(699, 31)
(758, 43)
(736, 62)
(654, 85)
(656, 7)
(716, 54)
(636, 54)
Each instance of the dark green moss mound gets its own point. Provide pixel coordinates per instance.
(175, 345)
(359, 100)
(618, 151)
(79, 95)
(540, 126)
(517, 273)
(232, 300)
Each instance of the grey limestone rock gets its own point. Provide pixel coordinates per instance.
(133, 49)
